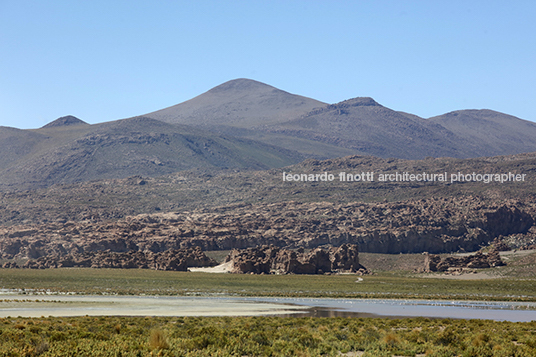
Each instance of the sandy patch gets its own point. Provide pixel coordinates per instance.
(222, 268)
(139, 306)
(464, 276)
(517, 253)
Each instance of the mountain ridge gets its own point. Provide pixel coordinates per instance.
(370, 128)
(246, 124)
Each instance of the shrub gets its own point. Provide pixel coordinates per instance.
(391, 339)
(158, 340)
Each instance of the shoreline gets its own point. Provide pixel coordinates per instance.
(107, 305)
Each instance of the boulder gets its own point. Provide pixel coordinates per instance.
(345, 257)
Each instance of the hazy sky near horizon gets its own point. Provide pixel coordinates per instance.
(106, 60)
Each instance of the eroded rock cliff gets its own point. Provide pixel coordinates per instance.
(172, 259)
(435, 225)
(271, 259)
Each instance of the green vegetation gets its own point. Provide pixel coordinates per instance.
(262, 336)
(384, 285)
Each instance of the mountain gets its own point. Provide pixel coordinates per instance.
(257, 111)
(245, 124)
(368, 128)
(240, 103)
(15, 144)
(495, 133)
(137, 146)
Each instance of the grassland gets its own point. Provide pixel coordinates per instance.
(268, 336)
(384, 285)
(263, 336)
(271, 336)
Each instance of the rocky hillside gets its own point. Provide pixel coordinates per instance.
(66, 151)
(68, 120)
(368, 128)
(433, 225)
(226, 210)
(172, 259)
(495, 133)
(200, 190)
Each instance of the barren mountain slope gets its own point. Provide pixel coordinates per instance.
(495, 133)
(208, 189)
(248, 124)
(15, 144)
(254, 110)
(129, 147)
(238, 103)
(369, 128)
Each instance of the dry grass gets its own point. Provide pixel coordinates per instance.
(158, 340)
(264, 336)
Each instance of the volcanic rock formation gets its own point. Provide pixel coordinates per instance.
(479, 260)
(172, 259)
(271, 259)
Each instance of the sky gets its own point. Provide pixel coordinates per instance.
(107, 60)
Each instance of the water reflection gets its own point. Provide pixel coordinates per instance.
(392, 308)
(327, 312)
(79, 305)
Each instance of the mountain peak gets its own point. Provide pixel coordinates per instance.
(358, 102)
(240, 84)
(65, 121)
(346, 104)
(239, 103)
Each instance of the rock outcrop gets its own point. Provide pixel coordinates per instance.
(478, 260)
(173, 259)
(435, 225)
(500, 245)
(271, 259)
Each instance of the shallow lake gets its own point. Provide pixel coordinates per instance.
(395, 308)
(98, 305)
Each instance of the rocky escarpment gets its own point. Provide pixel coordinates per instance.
(271, 259)
(480, 260)
(434, 225)
(176, 260)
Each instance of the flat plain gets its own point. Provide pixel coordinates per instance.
(265, 336)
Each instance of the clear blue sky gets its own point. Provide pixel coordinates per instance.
(106, 60)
